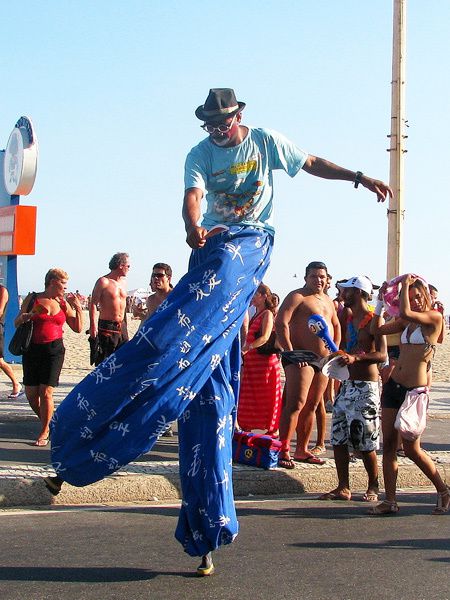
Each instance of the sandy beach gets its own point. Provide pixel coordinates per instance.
(77, 351)
(76, 362)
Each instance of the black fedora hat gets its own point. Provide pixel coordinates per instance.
(220, 104)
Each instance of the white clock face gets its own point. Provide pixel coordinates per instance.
(13, 165)
(20, 164)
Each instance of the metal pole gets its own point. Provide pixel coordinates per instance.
(397, 138)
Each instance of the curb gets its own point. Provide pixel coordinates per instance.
(161, 483)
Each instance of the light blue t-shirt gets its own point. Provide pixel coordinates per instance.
(238, 181)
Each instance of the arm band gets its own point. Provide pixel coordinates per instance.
(379, 308)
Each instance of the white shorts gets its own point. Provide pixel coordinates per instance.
(356, 416)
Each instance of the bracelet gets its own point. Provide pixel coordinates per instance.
(358, 178)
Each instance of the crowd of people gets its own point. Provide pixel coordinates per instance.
(185, 361)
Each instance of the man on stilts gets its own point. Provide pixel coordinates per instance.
(185, 360)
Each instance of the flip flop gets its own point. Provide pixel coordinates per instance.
(286, 463)
(14, 395)
(318, 450)
(385, 509)
(333, 496)
(370, 497)
(311, 460)
(41, 442)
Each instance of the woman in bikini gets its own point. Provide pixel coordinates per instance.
(420, 327)
(43, 361)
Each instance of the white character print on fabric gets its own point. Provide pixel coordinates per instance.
(215, 361)
(196, 461)
(132, 397)
(112, 463)
(186, 393)
(142, 333)
(183, 363)
(84, 405)
(106, 369)
(185, 346)
(162, 425)
(86, 433)
(122, 428)
(234, 251)
(202, 289)
(225, 481)
(163, 306)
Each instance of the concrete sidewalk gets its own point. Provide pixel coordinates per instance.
(154, 476)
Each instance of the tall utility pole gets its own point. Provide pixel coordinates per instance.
(397, 138)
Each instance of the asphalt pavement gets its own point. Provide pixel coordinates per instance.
(288, 549)
(154, 476)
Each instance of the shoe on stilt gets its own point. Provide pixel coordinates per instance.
(443, 503)
(53, 484)
(206, 567)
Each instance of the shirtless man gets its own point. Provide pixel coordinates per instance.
(304, 385)
(109, 299)
(7, 369)
(160, 283)
(356, 409)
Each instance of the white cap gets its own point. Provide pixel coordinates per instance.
(361, 282)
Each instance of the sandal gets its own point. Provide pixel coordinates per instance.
(41, 442)
(286, 463)
(318, 450)
(384, 509)
(15, 395)
(443, 503)
(370, 497)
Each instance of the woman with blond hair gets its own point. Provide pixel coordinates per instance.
(419, 326)
(259, 404)
(43, 361)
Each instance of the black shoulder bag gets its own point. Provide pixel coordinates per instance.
(21, 340)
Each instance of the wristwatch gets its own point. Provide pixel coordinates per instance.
(358, 178)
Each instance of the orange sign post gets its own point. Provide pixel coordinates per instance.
(17, 230)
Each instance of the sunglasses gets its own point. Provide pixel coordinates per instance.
(221, 128)
(158, 275)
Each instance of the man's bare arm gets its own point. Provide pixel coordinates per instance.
(195, 235)
(336, 327)
(328, 170)
(95, 299)
(284, 316)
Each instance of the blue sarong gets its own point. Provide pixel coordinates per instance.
(184, 363)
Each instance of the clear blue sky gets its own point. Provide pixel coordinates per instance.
(112, 87)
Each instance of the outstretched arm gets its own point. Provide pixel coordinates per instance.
(328, 170)
(195, 235)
